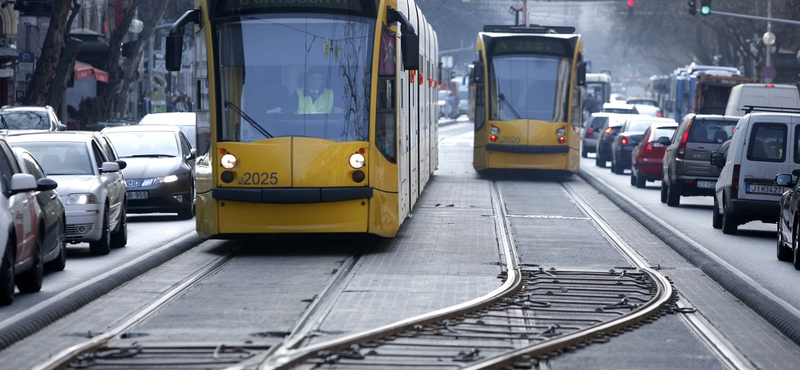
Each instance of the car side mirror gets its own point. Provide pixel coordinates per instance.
(784, 179)
(62, 127)
(718, 159)
(664, 140)
(192, 154)
(46, 184)
(110, 167)
(122, 164)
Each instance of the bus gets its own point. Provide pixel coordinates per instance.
(312, 116)
(526, 98)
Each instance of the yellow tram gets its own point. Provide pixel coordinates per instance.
(526, 98)
(312, 116)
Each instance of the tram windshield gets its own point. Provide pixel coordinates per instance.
(295, 75)
(530, 87)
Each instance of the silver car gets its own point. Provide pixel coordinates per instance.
(90, 184)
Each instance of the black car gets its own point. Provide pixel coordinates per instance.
(160, 168)
(788, 225)
(606, 137)
(629, 135)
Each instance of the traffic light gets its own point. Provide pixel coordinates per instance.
(692, 7)
(705, 7)
(631, 3)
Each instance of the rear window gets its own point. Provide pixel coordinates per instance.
(663, 131)
(598, 122)
(710, 131)
(767, 142)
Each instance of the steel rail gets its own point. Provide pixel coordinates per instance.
(65, 357)
(290, 358)
(652, 308)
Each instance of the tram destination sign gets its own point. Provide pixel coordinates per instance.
(532, 45)
(271, 6)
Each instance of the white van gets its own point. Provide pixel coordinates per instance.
(761, 95)
(762, 146)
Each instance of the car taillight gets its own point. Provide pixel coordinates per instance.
(735, 177)
(652, 145)
(624, 141)
(682, 145)
(658, 114)
(589, 133)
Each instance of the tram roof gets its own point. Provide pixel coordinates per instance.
(532, 28)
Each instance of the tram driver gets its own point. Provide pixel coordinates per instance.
(312, 98)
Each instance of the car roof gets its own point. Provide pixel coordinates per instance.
(11, 108)
(717, 117)
(141, 128)
(618, 105)
(73, 136)
(169, 118)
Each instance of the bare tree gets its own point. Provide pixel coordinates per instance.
(131, 69)
(115, 82)
(66, 61)
(42, 79)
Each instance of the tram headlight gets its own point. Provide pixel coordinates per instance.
(228, 161)
(357, 160)
(495, 130)
(561, 131)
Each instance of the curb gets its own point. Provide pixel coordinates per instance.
(772, 310)
(73, 299)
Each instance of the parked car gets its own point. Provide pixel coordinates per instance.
(629, 135)
(29, 118)
(592, 128)
(185, 121)
(54, 217)
(606, 137)
(763, 146)
(686, 167)
(160, 171)
(22, 263)
(647, 157)
(91, 185)
(789, 218)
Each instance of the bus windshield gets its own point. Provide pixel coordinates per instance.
(530, 87)
(295, 75)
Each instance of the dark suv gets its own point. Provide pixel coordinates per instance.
(606, 137)
(687, 167)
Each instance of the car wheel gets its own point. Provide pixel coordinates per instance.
(584, 153)
(796, 249)
(641, 182)
(103, 245)
(617, 168)
(784, 252)
(633, 178)
(7, 273)
(31, 281)
(663, 191)
(600, 161)
(729, 223)
(120, 238)
(716, 218)
(186, 213)
(60, 262)
(673, 198)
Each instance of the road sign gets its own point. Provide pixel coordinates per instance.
(768, 72)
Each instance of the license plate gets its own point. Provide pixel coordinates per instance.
(764, 189)
(706, 184)
(137, 195)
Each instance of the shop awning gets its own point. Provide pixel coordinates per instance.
(84, 70)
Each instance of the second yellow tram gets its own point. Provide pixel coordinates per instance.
(526, 98)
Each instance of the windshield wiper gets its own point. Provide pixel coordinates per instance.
(503, 100)
(247, 118)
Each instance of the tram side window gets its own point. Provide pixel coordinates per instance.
(385, 123)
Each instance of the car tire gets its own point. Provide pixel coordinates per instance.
(784, 252)
(729, 223)
(7, 282)
(716, 218)
(120, 238)
(103, 245)
(31, 281)
(796, 249)
(584, 153)
(186, 214)
(599, 161)
(663, 191)
(633, 178)
(617, 168)
(60, 262)
(641, 182)
(673, 198)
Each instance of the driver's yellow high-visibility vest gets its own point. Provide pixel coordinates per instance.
(323, 104)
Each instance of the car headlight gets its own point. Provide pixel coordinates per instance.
(87, 198)
(164, 179)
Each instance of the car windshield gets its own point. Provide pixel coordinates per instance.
(318, 87)
(60, 158)
(144, 144)
(24, 120)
